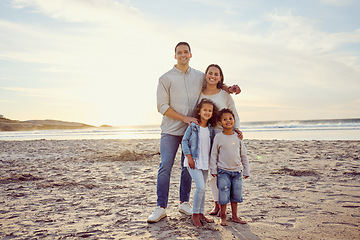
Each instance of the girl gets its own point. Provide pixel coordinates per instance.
(212, 90)
(196, 145)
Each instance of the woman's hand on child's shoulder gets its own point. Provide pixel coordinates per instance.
(239, 133)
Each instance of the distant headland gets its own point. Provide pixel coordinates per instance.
(30, 125)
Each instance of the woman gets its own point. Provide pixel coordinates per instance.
(212, 90)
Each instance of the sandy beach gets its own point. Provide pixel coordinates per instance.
(106, 189)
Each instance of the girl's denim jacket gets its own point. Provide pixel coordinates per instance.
(190, 141)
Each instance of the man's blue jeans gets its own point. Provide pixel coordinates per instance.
(169, 145)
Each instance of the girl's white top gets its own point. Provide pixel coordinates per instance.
(223, 100)
(204, 150)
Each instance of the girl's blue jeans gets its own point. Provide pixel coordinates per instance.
(169, 145)
(199, 176)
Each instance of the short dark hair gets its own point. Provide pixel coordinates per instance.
(221, 82)
(183, 43)
(223, 111)
(213, 118)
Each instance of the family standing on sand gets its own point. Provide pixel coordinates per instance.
(210, 139)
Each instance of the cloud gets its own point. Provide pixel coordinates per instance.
(114, 54)
(7, 101)
(101, 64)
(37, 92)
(338, 2)
(298, 33)
(82, 11)
(288, 68)
(92, 52)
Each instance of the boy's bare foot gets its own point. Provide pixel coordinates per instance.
(223, 222)
(238, 220)
(202, 217)
(196, 220)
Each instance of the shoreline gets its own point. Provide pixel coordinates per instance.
(107, 189)
(108, 134)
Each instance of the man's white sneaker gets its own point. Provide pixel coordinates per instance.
(157, 215)
(185, 208)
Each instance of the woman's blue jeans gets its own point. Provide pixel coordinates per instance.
(199, 176)
(169, 145)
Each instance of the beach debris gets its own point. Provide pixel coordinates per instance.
(354, 173)
(297, 173)
(66, 184)
(19, 178)
(128, 155)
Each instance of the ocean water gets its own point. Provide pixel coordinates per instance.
(332, 129)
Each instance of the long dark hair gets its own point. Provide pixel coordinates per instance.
(213, 119)
(221, 82)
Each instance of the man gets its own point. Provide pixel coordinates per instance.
(177, 95)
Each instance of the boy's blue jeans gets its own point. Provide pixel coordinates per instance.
(230, 186)
(169, 145)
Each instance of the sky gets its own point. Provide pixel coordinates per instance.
(99, 61)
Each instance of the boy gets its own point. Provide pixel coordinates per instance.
(227, 155)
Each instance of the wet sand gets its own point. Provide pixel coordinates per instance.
(106, 189)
